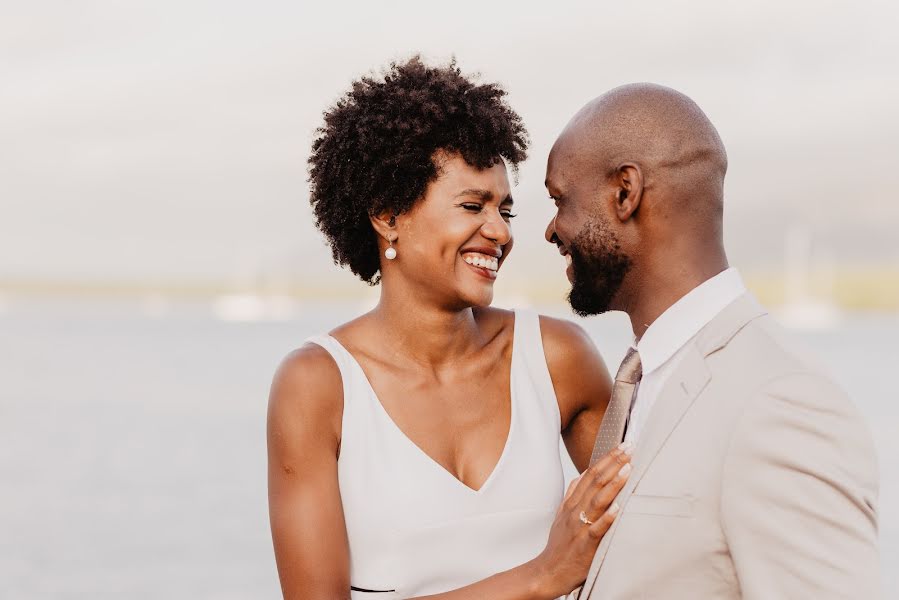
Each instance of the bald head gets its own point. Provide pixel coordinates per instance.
(663, 131)
(637, 177)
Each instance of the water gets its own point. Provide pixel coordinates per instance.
(132, 460)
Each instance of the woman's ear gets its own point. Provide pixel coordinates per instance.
(384, 224)
(629, 190)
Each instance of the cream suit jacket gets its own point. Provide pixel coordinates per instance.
(754, 478)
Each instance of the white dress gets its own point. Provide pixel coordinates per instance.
(413, 528)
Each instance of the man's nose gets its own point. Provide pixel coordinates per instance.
(550, 233)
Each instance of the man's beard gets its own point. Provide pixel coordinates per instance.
(598, 269)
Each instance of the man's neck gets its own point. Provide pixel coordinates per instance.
(664, 288)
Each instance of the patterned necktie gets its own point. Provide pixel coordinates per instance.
(611, 430)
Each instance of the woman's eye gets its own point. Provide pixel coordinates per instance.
(507, 215)
(472, 207)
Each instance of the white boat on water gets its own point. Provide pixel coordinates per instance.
(251, 307)
(801, 308)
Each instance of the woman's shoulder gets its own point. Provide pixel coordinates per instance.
(564, 339)
(307, 385)
(309, 363)
(572, 357)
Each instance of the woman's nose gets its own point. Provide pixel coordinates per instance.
(497, 229)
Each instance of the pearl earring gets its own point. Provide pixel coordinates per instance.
(390, 253)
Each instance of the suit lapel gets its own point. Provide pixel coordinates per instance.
(679, 392)
(674, 400)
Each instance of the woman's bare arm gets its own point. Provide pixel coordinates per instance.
(308, 527)
(582, 383)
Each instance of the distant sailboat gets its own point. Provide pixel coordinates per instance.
(257, 296)
(801, 309)
(249, 307)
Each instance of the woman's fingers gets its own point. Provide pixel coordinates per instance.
(587, 478)
(571, 487)
(603, 498)
(600, 474)
(601, 525)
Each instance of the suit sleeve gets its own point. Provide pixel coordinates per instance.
(799, 493)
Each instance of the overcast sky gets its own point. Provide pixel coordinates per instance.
(167, 140)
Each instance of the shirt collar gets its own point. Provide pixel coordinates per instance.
(686, 317)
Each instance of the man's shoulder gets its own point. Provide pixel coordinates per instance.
(767, 380)
(765, 350)
(770, 368)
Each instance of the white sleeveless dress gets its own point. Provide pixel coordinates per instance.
(413, 528)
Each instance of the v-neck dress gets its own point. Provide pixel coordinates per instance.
(415, 529)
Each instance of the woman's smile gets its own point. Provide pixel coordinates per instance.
(484, 262)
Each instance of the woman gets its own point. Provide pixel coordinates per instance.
(414, 450)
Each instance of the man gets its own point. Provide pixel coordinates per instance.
(753, 476)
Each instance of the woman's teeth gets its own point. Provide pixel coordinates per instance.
(483, 261)
(568, 259)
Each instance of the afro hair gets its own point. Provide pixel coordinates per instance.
(375, 152)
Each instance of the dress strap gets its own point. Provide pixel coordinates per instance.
(355, 411)
(338, 353)
(531, 362)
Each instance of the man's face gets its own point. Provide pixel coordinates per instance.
(582, 228)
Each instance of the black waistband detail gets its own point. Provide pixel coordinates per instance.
(357, 589)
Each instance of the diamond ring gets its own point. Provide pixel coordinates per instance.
(584, 519)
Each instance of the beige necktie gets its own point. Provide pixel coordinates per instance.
(611, 430)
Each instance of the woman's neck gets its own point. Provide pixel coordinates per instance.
(418, 330)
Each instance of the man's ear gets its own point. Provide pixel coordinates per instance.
(384, 224)
(628, 190)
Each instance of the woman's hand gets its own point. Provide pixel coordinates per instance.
(564, 563)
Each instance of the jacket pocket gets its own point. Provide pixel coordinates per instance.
(662, 506)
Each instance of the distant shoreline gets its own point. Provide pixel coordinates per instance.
(859, 289)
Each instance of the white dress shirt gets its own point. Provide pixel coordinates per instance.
(661, 347)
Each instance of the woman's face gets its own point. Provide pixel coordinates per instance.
(454, 241)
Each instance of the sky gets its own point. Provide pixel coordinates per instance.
(167, 141)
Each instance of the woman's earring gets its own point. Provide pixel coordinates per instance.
(390, 253)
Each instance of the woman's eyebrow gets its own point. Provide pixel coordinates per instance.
(484, 195)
